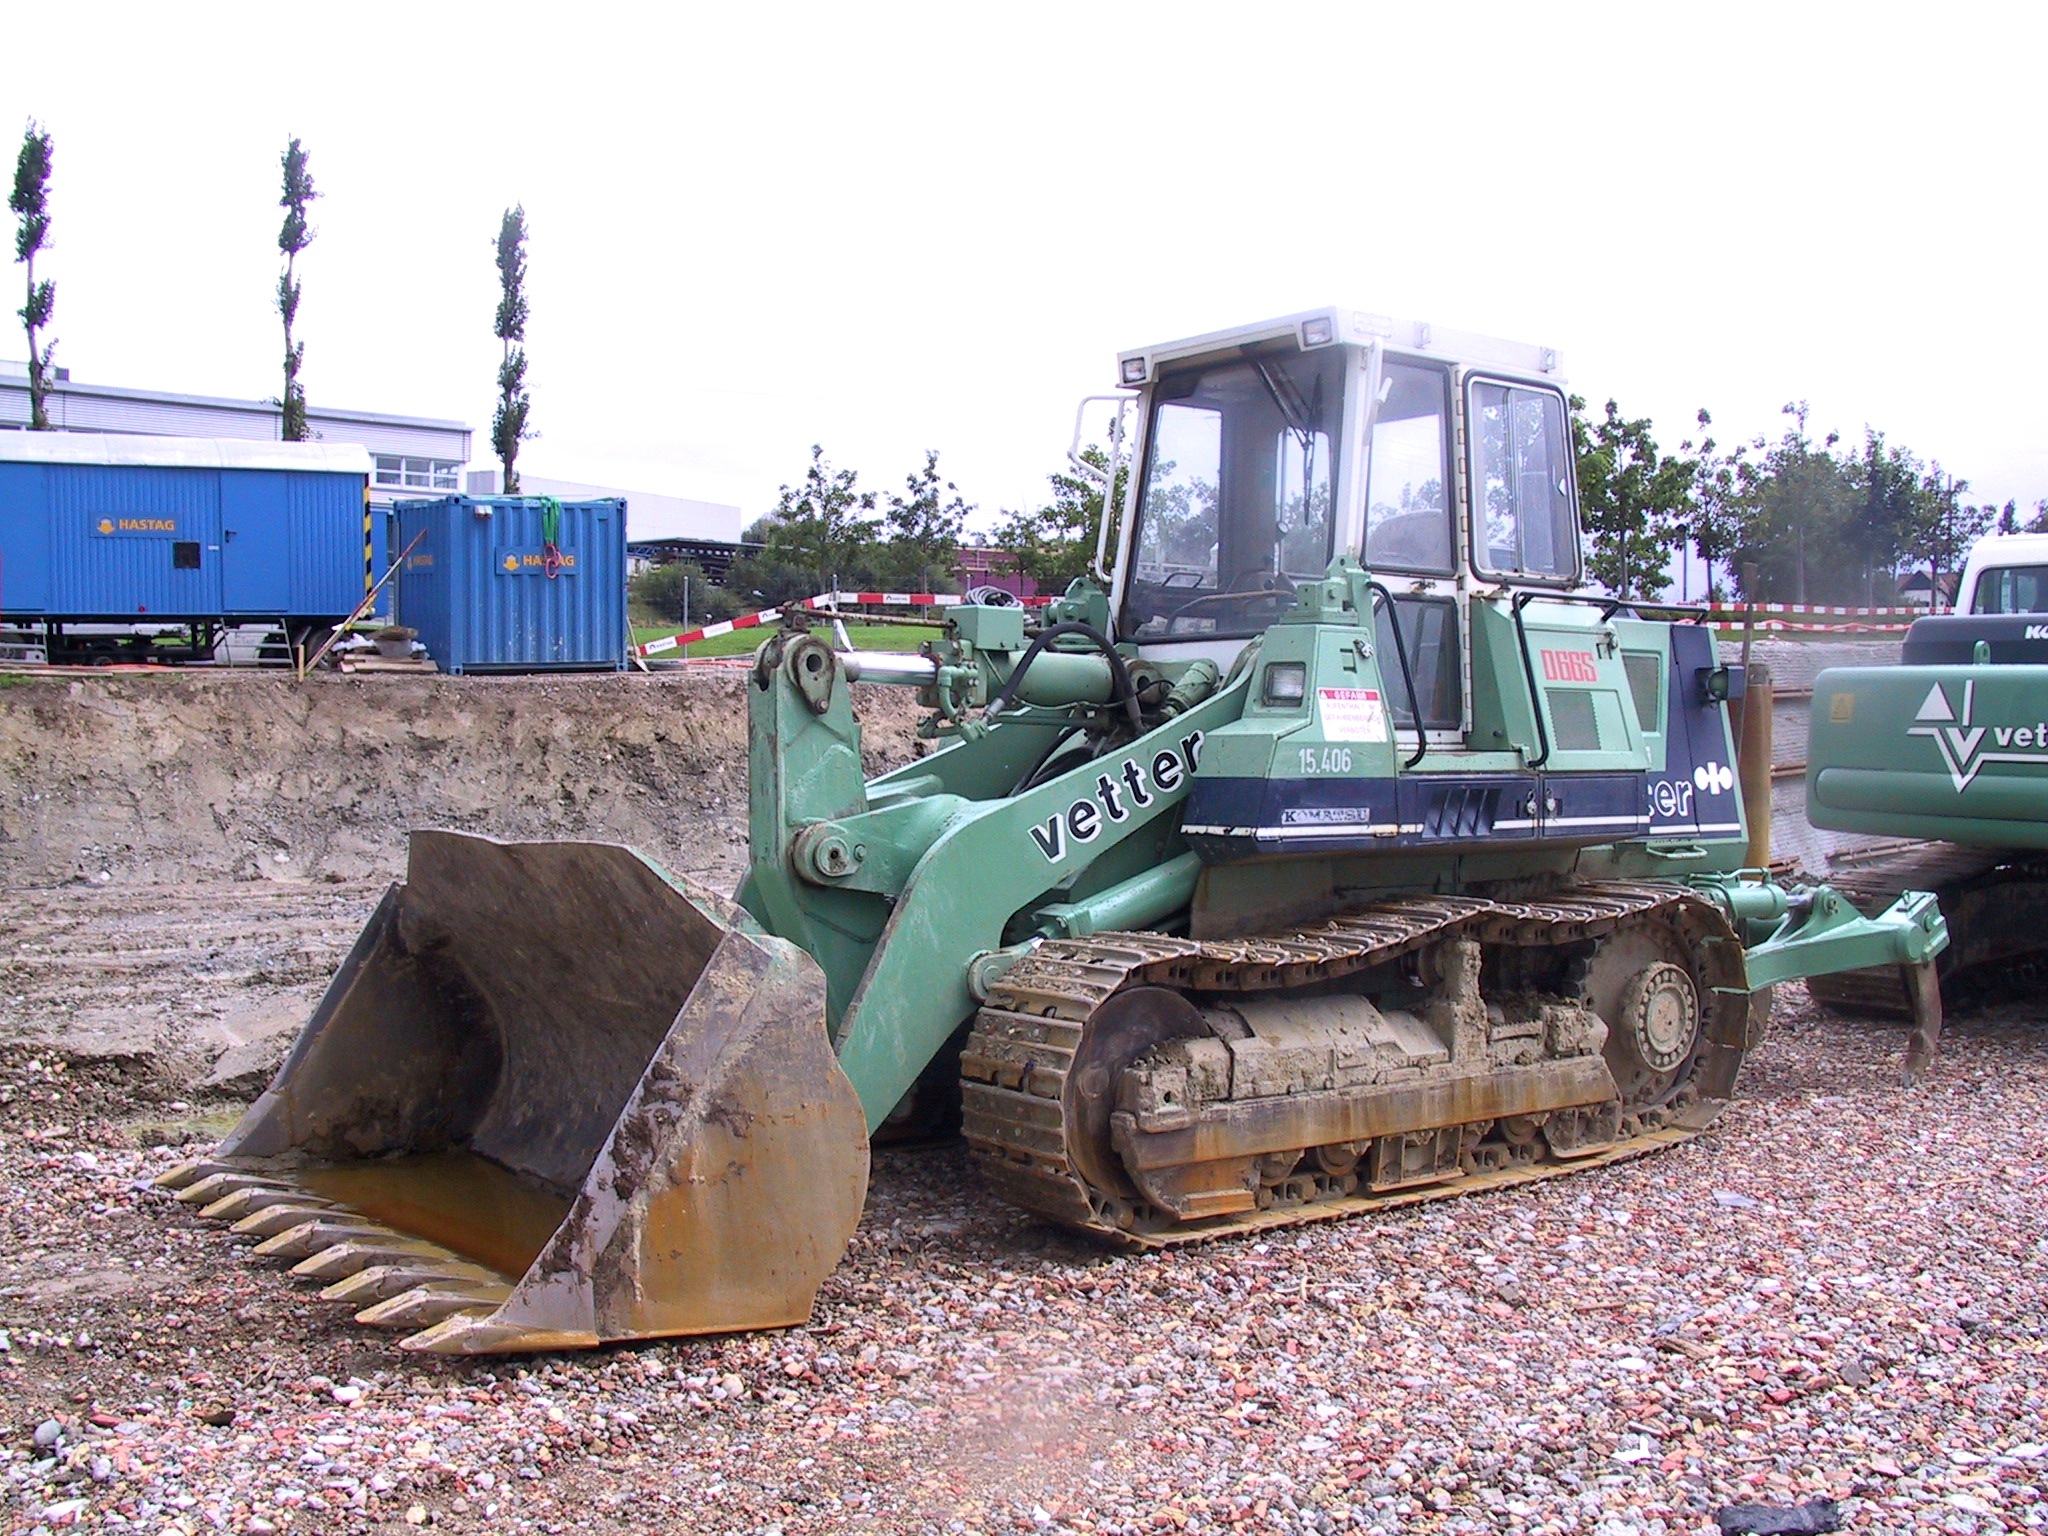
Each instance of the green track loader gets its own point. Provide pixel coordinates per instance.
(1329, 847)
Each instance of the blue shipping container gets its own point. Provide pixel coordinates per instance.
(487, 589)
(111, 528)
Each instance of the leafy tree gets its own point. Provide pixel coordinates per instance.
(1633, 497)
(1888, 504)
(1946, 528)
(1718, 512)
(2009, 517)
(31, 207)
(1055, 543)
(768, 579)
(510, 425)
(923, 525)
(658, 593)
(823, 527)
(2038, 523)
(293, 238)
(1799, 498)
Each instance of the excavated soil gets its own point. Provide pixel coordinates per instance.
(187, 856)
(1838, 1294)
(169, 778)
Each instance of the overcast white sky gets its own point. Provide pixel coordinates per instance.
(886, 228)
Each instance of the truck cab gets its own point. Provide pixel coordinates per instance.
(2006, 573)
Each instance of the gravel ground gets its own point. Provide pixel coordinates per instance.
(1839, 1292)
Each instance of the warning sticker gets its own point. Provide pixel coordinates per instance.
(1352, 714)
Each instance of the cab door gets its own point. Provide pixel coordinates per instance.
(1410, 546)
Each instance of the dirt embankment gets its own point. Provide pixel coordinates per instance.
(164, 778)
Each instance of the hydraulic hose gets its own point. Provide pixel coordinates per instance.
(1120, 675)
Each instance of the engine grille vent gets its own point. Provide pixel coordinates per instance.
(1574, 721)
(1461, 810)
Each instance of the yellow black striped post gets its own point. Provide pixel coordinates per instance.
(369, 578)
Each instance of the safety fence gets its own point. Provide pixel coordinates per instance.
(824, 602)
(1813, 618)
(1762, 617)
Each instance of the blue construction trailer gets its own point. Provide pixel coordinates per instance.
(110, 544)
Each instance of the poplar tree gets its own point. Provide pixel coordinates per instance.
(509, 426)
(293, 238)
(30, 205)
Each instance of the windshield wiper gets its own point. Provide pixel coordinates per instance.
(1303, 419)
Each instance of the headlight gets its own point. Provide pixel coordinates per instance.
(1286, 682)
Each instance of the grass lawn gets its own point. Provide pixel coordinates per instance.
(744, 642)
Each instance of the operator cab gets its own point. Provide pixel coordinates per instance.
(1265, 451)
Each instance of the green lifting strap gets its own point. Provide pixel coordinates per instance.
(550, 536)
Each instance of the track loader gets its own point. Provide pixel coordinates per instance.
(1327, 847)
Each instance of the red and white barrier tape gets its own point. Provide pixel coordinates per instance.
(1763, 626)
(824, 601)
(1727, 613)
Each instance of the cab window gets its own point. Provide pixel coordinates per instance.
(1523, 521)
(2012, 589)
(1234, 501)
(1407, 513)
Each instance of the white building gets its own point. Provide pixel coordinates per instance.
(412, 455)
(648, 515)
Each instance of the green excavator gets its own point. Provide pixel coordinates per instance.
(1328, 847)
(1941, 762)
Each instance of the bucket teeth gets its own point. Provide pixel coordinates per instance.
(471, 1331)
(232, 1207)
(215, 1186)
(426, 1305)
(381, 1282)
(283, 1216)
(192, 1173)
(323, 1230)
(340, 1260)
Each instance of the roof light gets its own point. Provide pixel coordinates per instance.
(1134, 370)
(1317, 332)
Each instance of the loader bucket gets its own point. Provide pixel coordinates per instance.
(554, 1097)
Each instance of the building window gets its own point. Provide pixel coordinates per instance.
(425, 474)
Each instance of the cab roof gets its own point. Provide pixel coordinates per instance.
(1314, 328)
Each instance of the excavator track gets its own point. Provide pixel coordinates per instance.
(1034, 1126)
(1995, 903)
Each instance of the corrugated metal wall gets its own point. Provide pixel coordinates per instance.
(326, 515)
(114, 532)
(479, 592)
(100, 408)
(99, 541)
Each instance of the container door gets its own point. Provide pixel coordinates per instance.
(255, 533)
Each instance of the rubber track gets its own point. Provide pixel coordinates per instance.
(1024, 1041)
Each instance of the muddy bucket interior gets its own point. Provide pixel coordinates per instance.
(554, 1096)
